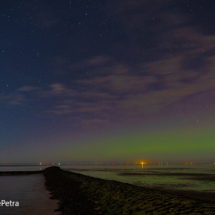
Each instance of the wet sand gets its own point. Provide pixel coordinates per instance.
(201, 195)
(80, 194)
(203, 176)
(29, 190)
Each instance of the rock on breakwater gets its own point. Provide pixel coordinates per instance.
(80, 194)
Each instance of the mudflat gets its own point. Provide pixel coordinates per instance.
(80, 194)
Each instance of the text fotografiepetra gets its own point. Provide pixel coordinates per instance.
(9, 203)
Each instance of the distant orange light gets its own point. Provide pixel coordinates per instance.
(113, 163)
(154, 163)
(52, 163)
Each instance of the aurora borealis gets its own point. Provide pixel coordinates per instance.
(107, 80)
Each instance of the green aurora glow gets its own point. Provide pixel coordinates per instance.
(164, 146)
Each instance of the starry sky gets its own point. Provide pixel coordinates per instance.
(93, 80)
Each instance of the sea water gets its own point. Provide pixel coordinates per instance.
(192, 177)
(28, 190)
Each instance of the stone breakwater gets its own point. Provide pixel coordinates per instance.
(80, 194)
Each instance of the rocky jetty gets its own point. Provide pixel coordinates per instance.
(80, 194)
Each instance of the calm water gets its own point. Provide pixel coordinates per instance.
(196, 177)
(28, 190)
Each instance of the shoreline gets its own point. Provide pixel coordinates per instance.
(81, 194)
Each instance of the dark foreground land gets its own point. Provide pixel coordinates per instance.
(80, 194)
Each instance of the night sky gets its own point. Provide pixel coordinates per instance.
(93, 80)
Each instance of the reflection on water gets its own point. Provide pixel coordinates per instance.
(9, 168)
(30, 192)
(166, 176)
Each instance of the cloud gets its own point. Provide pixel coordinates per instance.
(162, 60)
(28, 88)
(46, 19)
(87, 122)
(95, 62)
(60, 110)
(13, 99)
(56, 90)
